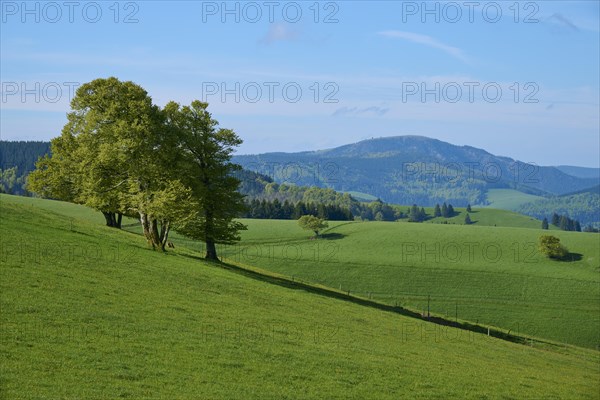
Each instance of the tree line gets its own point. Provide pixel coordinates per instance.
(416, 214)
(262, 209)
(562, 222)
(123, 155)
(582, 207)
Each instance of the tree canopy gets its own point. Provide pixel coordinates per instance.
(122, 155)
(312, 223)
(551, 247)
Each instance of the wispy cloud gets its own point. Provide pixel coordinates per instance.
(375, 110)
(426, 41)
(279, 32)
(563, 22)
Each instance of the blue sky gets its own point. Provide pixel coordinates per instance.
(293, 76)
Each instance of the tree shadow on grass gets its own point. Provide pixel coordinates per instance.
(571, 257)
(332, 236)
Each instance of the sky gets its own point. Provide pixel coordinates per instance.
(518, 79)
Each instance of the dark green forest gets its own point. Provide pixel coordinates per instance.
(583, 207)
(17, 159)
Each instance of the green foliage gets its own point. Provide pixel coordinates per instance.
(468, 220)
(447, 211)
(551, 247)
(262, 192)
(276, 210)
(444, 211)
(416, 214)
(120, 154)
(114, 155)
(545, 223)
(11, 182)
(17, 160)
(203, 164)
(312, 223)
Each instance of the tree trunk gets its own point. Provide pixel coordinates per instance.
(147, 228)
(111, 219)
(211, 250)
(155, 237)
(119, 219)
(107, 218)
(164, 233)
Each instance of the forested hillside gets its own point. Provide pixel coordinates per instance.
(17, 159)
(583, 207)
(413, 169)
(22, 155)
(268, 199)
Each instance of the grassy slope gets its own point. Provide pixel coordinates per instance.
(491, 275)
(509, 199)
(89, 312)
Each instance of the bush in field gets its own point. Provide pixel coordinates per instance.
(550, 246)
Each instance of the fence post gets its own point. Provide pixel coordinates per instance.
(428, 300)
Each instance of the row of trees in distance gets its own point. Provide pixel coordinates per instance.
(562, 222)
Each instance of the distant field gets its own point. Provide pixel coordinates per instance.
(486, 274)
(90, 312)
(362, 196)
(509, 199)
(486, 217)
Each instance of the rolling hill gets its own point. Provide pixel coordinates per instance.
(413, 169)
(90, 312)
(580, 172)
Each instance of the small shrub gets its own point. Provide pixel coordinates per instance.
(550, 247)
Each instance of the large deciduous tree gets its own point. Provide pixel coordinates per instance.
(113, 155)
(205, 167)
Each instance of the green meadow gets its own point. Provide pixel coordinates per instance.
(90, 312)
(485, 217)
(509, 199)
(491, 275)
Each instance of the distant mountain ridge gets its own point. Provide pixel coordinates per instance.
(401, 169)
(413, 169)
(580, 172)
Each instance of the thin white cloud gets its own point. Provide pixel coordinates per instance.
(560, 21)
(426, 41)
(372, 110)
(279, 32)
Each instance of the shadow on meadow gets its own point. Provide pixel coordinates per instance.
(332, 236)
(571, 257)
